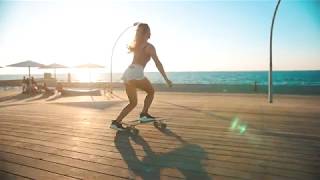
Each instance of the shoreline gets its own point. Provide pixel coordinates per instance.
(193, 88)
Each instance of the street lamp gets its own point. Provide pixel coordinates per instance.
(270, 66)
(114, 45)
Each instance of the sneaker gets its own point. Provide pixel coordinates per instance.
(117, 126)
(145, 117)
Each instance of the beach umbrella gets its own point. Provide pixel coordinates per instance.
(53, 66)
(89, 66)
(27, 64)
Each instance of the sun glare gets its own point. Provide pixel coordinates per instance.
(85, 75)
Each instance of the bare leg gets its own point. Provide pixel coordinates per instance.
(146, 86)
(132, 95)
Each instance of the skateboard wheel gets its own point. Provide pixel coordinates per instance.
(156, 124)
(163, 126)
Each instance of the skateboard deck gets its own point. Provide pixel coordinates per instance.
(131, 125)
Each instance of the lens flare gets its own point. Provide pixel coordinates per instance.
(242, 128)
(234, 123)
(238, 126)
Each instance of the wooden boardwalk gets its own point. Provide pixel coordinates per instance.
(69, 138)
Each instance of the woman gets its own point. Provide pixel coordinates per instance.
(134, 78)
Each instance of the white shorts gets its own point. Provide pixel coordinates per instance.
(133, 72)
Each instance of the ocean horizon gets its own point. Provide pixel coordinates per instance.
(297, 78)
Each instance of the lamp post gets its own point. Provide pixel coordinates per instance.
(270, 66)
(114, 45)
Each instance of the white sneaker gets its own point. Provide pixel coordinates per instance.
(145, 119)
(117, 126)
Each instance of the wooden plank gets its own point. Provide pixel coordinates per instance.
(9, 176)
(229, 151)
(206, 143)
(281, 141)
(114, 155)
(209, 121)
(75, 167)
(238, 139)
(29, 172)
(39, 163)
(88, 135)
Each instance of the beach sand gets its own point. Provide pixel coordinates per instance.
(208, 136)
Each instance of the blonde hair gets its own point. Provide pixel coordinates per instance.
(141, 31)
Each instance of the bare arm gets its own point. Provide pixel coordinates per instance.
(153, 54)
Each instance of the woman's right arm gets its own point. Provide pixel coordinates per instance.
(153, 54)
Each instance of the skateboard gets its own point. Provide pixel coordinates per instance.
(131, 125)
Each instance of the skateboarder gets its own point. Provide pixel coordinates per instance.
(133, 77)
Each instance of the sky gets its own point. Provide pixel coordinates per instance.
(188, 35)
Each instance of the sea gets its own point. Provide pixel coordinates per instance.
(297, 78)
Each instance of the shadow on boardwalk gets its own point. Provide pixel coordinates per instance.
(186, 158)
(27, 97)
(100, 105)
(17, 97)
